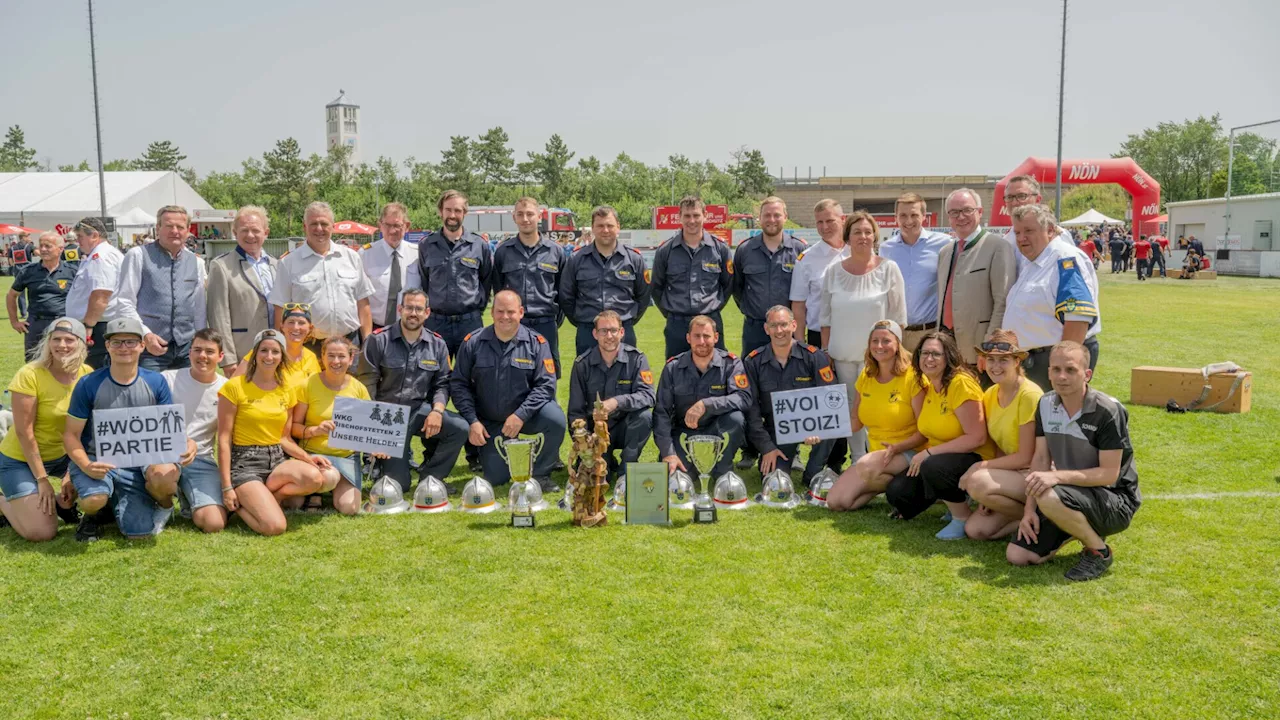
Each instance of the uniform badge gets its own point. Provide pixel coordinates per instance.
(1068, 264)
(648, 275)
(1071, 305)
(826, 374)
(62, 284)
(728, 264)
(740, 380)
(71, 255)
(646, 376)
(550, 365)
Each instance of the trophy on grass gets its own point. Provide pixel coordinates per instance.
(703, 452)
(519, 455)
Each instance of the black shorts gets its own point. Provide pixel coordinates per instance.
(1108, 512)
(254, 462)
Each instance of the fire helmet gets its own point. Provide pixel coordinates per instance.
(477, 497)
(681, 487)
(386, 498)
(777, 491)
(431, 496)
(731, 492)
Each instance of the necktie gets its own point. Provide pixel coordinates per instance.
(393, 290)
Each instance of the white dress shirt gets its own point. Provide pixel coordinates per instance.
(130, 282)
(1038, 295)
(332, 285)
(377, 266)
(1064, 235)
(99, 271)
(806, 279)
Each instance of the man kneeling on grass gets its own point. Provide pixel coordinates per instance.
(1093, 492)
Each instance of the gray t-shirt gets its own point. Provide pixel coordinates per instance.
(200, 404)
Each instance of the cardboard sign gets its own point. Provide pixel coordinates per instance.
(821, 411)
(137, 437)
(365, 426)
(647, 498)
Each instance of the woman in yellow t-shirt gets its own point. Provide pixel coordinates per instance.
(952, 423)
(886, 400)
(32, 450)
(1000, 484)
(296, 327)
(260, 464)
(313, 421)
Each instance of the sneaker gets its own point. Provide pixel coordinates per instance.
(953, 531)
(474, 465)
(946, 516)
(558, 466)
(69, 515)
(548, 485)
(1091, 565)
(89, 530)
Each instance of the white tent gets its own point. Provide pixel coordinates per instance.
(136, 217)
(1092, 217)
(43, 200)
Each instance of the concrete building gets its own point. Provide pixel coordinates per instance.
(877, 194)
(1251, 248)
(342, 125)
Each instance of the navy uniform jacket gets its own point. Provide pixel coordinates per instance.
(723, 388)
(592, 283)
(629, 380)
(692, 283)
(807, 367)
(394, 371)
(493, 380)
(46, 291)
(761, 280)
(455, 276)
(533, 273)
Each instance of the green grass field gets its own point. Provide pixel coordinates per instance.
(799, 614)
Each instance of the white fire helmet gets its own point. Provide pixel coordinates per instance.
(477, 497)
(681, 487)
(533, 491)
(820, 485)
(431, 496)
(619, 499)
(386, 498)
(777, 491)
(731, 492)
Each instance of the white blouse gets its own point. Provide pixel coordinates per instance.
(852, 304)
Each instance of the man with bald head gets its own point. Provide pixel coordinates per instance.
(240, 282)
(975, 273)
(45, 285)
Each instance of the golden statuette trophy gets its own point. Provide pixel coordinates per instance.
(588, 474)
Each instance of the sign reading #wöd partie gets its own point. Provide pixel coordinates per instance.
(800, 414)
(365, 426)
(141, 436)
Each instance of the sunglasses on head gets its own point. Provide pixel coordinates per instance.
(989, 347)
(298, 306)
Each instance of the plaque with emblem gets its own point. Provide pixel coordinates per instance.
(647, 498)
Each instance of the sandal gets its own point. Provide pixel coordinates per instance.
(312, 504)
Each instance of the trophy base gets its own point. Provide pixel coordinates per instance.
(705, 515)
(523, 521)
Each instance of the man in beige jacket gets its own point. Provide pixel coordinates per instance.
(239, 282)
(973, 286)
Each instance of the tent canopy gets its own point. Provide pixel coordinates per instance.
(1092, 217)
(136, 217)
(46, 199)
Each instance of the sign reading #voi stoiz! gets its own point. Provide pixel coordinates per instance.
(365, 426)
(140, 436)
(821, 411)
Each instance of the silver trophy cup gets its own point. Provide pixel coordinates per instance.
(703, 452)
(519, 456)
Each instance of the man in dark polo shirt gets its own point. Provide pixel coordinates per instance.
(45, 285)
(1093, 492)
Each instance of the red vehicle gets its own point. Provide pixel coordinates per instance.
(496, 220)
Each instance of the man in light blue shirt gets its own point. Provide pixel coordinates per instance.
(915, 250)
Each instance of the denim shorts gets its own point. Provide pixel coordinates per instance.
(200, 484)
(254, 462)
(137, 513)
(16, 479)
(348, 467)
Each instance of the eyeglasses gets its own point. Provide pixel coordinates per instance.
(415, 309)
(1003, 347)
(298, 306)
(1017, 197)
(609, 331)
(130, 343)
(962, 212)
(776, 325)
(932, 354)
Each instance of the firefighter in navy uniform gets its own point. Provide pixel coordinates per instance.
(692, 275)
(604, 275)
(454, 267)
(407, 364)
(45, 282)
(784, 364)
(762, 268)
(617, 374)
(530, 264)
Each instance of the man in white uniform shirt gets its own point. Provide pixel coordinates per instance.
(391, 265)
(196, 390)
(806, 280)
(915, 250)
(92, 297)
(329, 278)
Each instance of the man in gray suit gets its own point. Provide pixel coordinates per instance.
(975, 273)
(239, 282)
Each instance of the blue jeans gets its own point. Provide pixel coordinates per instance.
(16, 479)
(732, 423)
(137, 513)
(585, 340)
(549, 420)
(677, 331)
(200, 484)
(439, 453)
(176, 356)
(548, 328)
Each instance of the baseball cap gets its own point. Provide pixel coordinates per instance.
(889, 325)
(124, 326)
(70, 325)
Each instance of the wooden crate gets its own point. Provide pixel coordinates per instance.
(1156, 386)
(1201, 275)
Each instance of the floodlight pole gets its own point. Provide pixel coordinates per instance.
(97, 119)
(1062, 79)
(1231, 160)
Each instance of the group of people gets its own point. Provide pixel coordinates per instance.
(906, 327)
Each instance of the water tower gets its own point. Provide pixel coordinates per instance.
(342, 125)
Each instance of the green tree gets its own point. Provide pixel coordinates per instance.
(162, 155)
(751, 172)
(82, 167)
(15, 156)
(1246, 179)
(549, 168)
(493, 157)
(1182, 157)
(457, 169)
(1110, 200)
(119, 165)
(285, 180)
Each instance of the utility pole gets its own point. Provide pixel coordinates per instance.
(1062, 79)
(1231, 161)
(97, 117)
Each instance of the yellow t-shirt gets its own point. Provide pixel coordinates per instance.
(260, 414)
(938, 421)
(885, 408)
(1003, 422)
(298, 372)
(319, 400)
(52, 400)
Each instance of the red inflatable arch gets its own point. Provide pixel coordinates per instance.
(1121, 171)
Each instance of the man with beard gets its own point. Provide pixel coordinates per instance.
(704, 391)
(762, 269)
(692, 275)
(916, 251)
(530, 265)
(455, 268)
(408, 365)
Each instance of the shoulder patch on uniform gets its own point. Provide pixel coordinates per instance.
(731, 355)
(648, 275)
(740, 380)
(366, 246)
(753, 353)
(646, 376)
(801, 255)
(811, 348)
(672, 359)
(468, 337)
(549, 365)
(433, 332)
(381, 329)
(729, 266)
(541, 340)
(826, 374)
(285, 254)
(1066, 263)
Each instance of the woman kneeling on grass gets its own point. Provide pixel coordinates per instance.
(951, 420)
(296, 328)
(33, 450)
(313, 421)
(254, 439)
(1000, 484)
(886, 403)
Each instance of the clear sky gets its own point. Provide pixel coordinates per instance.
(861, 88)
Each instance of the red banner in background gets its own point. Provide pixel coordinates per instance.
(890, 222)
(667, 217)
